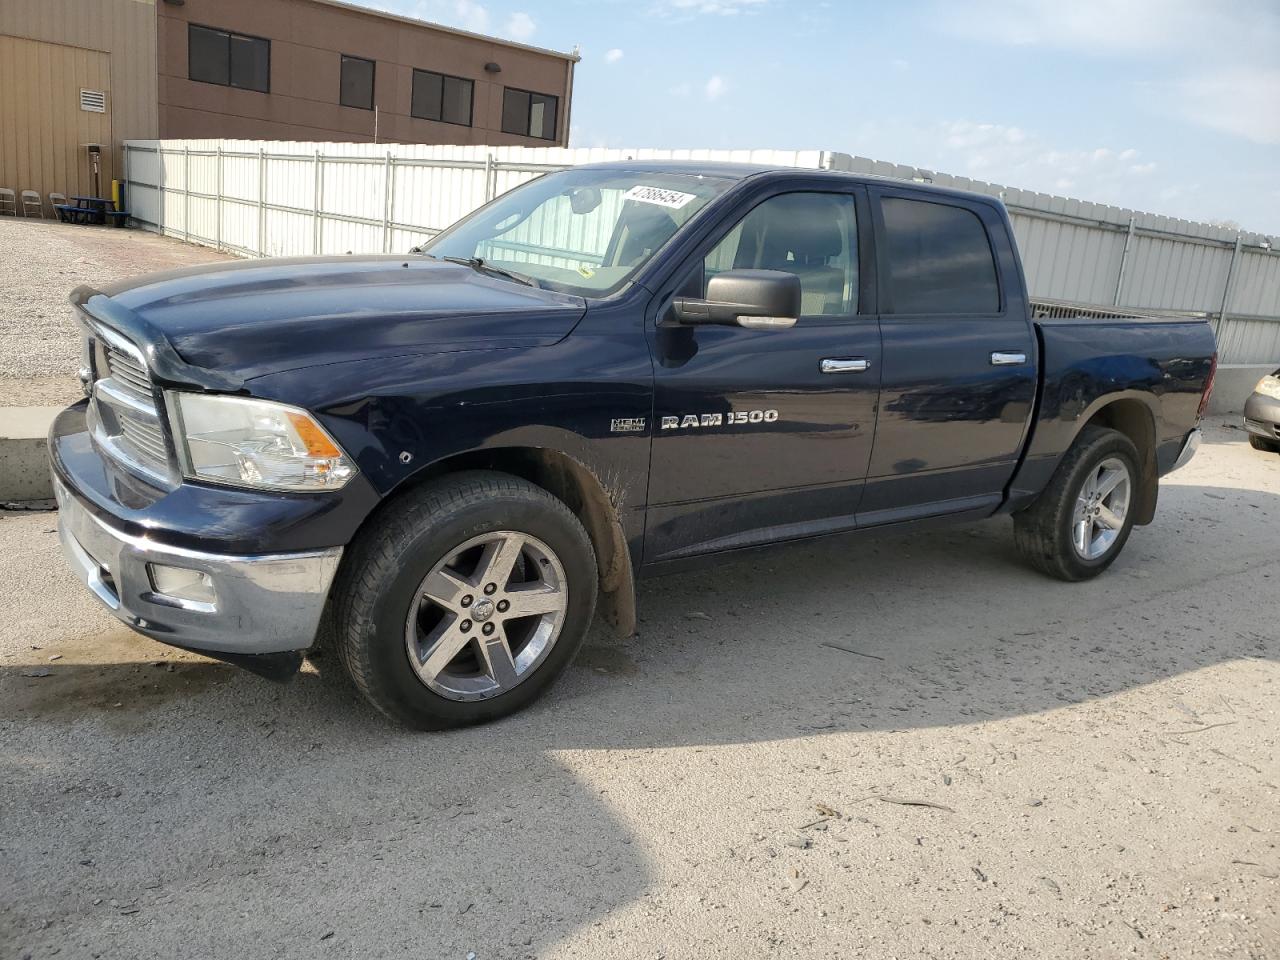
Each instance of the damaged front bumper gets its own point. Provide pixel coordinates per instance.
(257, 611)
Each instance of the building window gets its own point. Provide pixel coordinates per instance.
(528, 114)
(229, 59)
(438, 97)
(357, 83)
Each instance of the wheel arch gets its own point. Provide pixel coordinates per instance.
(577, 487)
(1132, 416)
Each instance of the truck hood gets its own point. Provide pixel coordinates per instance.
(252, 318)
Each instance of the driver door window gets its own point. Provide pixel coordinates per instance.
(813, 235)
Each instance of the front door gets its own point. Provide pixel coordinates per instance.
(765, 435)
(959, 373)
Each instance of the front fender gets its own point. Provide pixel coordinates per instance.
(614, 524)
(402, 417)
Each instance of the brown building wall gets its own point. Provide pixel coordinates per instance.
(308, 38)
(49, 50)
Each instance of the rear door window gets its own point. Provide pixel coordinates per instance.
(940, 259)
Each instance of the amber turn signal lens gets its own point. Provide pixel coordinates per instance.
(318, 444)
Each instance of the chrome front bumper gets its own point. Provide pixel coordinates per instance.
(268, 603)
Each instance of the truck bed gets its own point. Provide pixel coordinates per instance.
(1158, 365)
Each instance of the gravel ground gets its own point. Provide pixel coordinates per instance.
(744, 779)
(43, 262)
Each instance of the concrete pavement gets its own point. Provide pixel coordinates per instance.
(741, 780)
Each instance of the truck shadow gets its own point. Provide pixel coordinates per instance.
(496, 839)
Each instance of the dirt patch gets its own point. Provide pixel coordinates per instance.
(609, 659)
(103, 673)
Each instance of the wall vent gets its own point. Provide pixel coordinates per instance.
(94, 101)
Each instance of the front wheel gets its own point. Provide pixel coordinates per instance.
(1081, 521)
(463, 602)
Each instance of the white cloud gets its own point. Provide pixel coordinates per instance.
(722, 8)
(1218, 58)
(463, 14)
(468, 15)
(1087, 26)
(471, 15)
(1012, 156)
(962, 134)
(520, 26)
(715, 88)
(1240, 100)
(612, 56)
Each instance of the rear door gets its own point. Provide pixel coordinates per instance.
(753, 441)
(958, 379)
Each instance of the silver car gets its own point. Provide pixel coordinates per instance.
(1262, 414)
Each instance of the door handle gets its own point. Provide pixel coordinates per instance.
(1002, 359)
(845, 365)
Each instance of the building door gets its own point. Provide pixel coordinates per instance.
(45, 121)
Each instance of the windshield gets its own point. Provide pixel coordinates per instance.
(579, 231)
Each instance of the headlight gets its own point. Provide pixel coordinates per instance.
(1269, 386)
(256, 443)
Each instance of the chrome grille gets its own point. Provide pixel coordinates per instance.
(125, 369)
(146, 437)
(124, 417)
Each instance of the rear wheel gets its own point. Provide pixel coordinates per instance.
(1080, 523)
(462, 603)
(1262, 443)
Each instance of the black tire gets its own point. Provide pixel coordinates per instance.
(385, 566)
(1262, 443)
(1042, 532)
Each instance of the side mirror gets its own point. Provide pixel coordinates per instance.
(755, 299)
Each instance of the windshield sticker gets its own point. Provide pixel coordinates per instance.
(586, 271)
(657, 195)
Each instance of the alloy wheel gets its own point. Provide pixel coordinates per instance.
(487, 615)
(1101, 508)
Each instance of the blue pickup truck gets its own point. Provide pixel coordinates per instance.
(439, 466)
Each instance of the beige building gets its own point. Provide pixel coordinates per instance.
(73, 73)
(81, 72)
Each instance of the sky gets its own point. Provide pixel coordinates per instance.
(1167, 106)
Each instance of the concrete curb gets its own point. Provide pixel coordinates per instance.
(24, 454)
(1233, 384)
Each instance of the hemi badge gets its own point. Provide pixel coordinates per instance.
(627, 425)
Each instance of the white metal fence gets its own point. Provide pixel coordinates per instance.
(260, 198)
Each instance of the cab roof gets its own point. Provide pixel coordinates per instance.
(745, 171)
